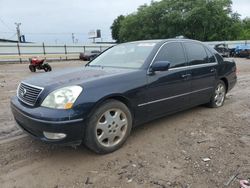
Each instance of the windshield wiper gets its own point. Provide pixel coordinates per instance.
(93, 65)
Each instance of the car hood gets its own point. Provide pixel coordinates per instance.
(76, 76)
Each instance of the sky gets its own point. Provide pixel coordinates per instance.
(54, 21)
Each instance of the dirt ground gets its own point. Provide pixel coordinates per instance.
(168, 152)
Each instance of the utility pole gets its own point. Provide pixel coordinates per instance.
(73, 38)
(18, 32)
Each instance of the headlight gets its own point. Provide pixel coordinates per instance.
(63, 98)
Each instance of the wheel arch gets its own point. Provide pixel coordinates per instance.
(224, 79)
(117, 97)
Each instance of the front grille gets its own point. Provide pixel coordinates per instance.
(28, 93)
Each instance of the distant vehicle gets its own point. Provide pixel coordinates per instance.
(242, 51)
(222, 49)
(40, 64)
(125, 86)
(88, 56)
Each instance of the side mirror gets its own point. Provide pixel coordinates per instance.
(159, 66)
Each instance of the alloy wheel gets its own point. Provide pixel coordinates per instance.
(220, 93)
(111, 127)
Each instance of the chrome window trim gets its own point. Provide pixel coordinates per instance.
(30, 86)
(194, 66)
(175, 96)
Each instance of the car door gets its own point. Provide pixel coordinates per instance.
(167, 91)
(202, 68)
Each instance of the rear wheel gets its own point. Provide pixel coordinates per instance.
(47, 68)
(108, 127)
(32, 68)
(219, 95)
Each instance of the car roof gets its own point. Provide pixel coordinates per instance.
(164, 40)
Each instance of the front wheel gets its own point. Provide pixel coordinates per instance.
(32, 68)
(219, 95)
(108, 127)
(47, 68)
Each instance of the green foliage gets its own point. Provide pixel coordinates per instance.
(245, 35)
(115, 28)
(204, 20)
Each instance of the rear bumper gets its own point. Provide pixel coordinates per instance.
(232, 83)
(36, 126)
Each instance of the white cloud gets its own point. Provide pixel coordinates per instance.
(75, 16)
(63, 16)
(242, 7)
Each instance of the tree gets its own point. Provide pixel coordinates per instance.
(245, 35)
(115, 28)
(204, 20)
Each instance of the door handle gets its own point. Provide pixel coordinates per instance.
(213, 70)
(186, 75)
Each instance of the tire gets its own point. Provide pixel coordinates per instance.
(32, 68)
(47, 68)
(108, 127)
(219, 95)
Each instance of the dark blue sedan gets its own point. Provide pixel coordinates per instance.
(127, 85)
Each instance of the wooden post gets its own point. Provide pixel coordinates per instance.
(65, 49)
(44, 52)
(19, 52)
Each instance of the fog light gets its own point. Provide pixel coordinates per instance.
(54, 136)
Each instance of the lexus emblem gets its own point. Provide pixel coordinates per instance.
(23, 93)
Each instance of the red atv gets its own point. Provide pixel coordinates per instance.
(36, 63)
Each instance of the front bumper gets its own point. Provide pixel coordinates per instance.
(36, 121)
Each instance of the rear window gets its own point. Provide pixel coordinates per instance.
(219, 58)
(211, 58)
(196, 53)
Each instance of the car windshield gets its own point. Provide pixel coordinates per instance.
(128, 55)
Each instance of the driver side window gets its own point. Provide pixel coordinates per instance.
(173, 53)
